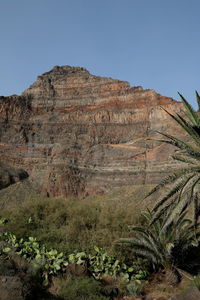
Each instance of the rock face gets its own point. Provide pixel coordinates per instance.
(76, 133)
(9, 175)
(18, 283)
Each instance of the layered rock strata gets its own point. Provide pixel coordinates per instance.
(76, 133)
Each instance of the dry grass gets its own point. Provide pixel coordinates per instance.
(73, 224)
(162, 290)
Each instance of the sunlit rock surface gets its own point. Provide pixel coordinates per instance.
(76, 133)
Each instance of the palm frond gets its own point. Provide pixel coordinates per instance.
(184, 158)
(146, 253)
(180, 120)
(172, 192)
(140, 248)
(190, 129)
(148, 238)
(183, 201)
(186, 192)
(185, 125)
(172, 178)
(181, 145)
(157, 243)
(183, 223)
(191, 114)
(198, 102)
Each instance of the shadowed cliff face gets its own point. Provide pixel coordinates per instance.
(76, 133)
(9, 175)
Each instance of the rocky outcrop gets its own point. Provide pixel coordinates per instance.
(19, 282)
(76, 133)
(9, 175)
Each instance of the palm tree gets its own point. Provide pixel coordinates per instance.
(184, 184)
(161, 247)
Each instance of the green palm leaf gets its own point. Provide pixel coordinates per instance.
(181, 145)
(172, 192)
(157, 244)
(184, 184)
(198, 102)
(184, 158)
(172, 178)
(191, 114)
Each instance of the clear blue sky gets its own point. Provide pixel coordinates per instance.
(152, 43)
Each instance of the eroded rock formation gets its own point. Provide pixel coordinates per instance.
(9, 175)
(76, 133)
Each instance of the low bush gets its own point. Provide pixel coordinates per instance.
(82, 289)
(70, 224)
(48, 263)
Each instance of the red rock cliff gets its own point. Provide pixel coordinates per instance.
(76, 133)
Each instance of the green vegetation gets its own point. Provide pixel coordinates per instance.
(164, 248)
(50, 262)
(118, 250)
(68, 224)
(168, 236)
(41, 235)
(81, 288)
(196, 281)
(183, 185)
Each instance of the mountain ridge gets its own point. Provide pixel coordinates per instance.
(77, 133)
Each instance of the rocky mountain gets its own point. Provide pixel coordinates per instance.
(76, 133)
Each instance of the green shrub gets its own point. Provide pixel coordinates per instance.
(135, 288)
(51, 262)
(69, 224)
(82, 289)
(196, 281)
